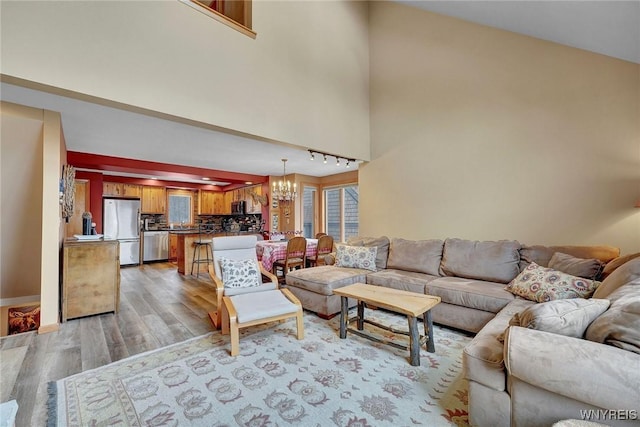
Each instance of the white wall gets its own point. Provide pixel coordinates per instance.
(481, 133)
(303, 80)
(31, 152)
(21, 203)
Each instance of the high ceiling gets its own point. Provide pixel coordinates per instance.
(606, 27)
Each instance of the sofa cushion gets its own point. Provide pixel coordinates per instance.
(619, 326)
(622, 275)
(490, 261)
(323, 280)
(356, 256)
(477, 294)
(542, 284)
(581, 267)
(422, 256)
(382, 243)
(483, 359)
(569, 317)
(615, 263)
(541, 255)
(400, 279)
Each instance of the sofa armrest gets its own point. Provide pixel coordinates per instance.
(598, 374)
(330, 258)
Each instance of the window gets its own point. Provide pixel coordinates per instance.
(180, 207)
(309, 211)
(341, 212)
(233, 13)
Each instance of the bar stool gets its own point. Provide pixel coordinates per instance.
(202, 242)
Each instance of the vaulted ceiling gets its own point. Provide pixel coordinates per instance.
(606, 27)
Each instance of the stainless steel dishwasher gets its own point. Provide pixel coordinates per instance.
(155, 246)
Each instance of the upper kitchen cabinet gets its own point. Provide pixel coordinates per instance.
(154, 200)
(132, 190)
(228, 198)
(210, 203)
(118, 189)
(205, 202)
(113, 189)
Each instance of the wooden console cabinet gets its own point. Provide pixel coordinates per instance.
(90, 278)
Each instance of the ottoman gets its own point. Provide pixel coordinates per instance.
(314, 287)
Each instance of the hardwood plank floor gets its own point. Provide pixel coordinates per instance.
(158, 307)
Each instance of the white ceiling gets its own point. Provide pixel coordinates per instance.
(607, 27)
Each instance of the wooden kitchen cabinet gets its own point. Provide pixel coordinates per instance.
(154, 200)
(113, 189)
(90, 278)
(173, 247)
(132, 190)
(206, 202)
(118, 189)
(228, 198)
(219, 204)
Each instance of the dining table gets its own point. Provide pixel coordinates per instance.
(269, 251)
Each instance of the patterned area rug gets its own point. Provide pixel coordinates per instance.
(275, 381)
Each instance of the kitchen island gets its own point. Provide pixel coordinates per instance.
(185, 250)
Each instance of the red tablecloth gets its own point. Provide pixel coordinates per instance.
(269, 251)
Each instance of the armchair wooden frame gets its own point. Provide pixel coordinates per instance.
(230, 324)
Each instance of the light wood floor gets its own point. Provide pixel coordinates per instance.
(158, 307)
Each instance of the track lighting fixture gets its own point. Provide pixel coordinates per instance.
(347, 161)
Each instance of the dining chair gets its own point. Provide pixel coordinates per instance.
(319, 235)
(295, 257)
(239, 249)
(325, 246)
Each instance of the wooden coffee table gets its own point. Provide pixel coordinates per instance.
(409, 303)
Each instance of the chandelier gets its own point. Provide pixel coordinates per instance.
(283, 190)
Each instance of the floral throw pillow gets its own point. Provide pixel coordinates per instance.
(542, 284)
(239, 273)
(356, 256)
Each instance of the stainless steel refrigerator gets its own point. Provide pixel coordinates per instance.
(121, 219)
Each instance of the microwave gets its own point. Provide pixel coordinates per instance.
(238, 208)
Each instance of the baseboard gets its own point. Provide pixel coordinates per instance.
(45, 329)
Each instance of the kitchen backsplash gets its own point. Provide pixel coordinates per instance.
(217, 223)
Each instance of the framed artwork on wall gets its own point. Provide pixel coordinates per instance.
(24, 319)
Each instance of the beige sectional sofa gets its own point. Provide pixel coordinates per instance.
(533, 378)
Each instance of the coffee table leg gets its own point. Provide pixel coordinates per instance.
(360, 315)
(428, 331)
(344, 306)
(414, 341)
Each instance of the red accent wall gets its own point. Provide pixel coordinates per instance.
(95, 196)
